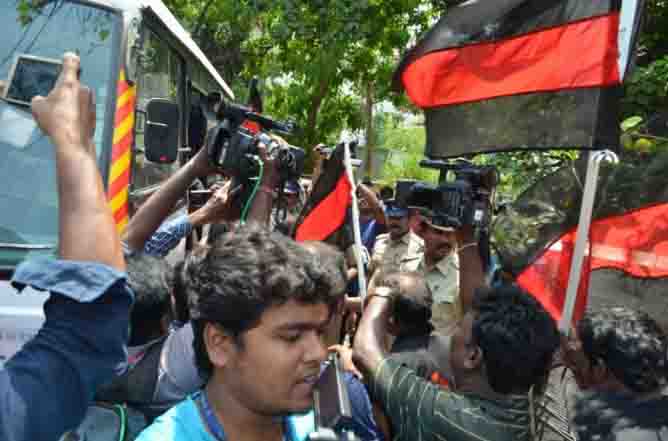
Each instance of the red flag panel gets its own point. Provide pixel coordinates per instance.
(635, 242)
(574, 55)
(329, 215)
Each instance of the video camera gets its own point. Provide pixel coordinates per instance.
(332, 405)
(467, 199)
(232, 146)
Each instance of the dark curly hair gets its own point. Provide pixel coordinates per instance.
(233, 281)
(629, 342)
(517, 336)
(148, 276)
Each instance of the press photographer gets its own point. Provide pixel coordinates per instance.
(233, 147)
(465, 200)
(451, 218)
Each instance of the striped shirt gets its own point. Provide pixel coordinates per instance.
(421, 411)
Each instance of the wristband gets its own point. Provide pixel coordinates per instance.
(382, 296)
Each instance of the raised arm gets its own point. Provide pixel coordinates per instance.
(46, 387)
(160, 205)
(471, 275)
(263, 203)
(372, 200)
(67, 116)
(369, 348)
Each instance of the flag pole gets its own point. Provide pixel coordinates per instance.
(357, 234)
(582, 235)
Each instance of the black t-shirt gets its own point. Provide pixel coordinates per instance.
(613, 417)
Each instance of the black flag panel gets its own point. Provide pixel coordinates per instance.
(500, 75)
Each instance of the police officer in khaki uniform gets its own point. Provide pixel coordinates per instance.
(440, 264)
(393, 247)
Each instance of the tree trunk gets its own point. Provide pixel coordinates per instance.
(316, 102)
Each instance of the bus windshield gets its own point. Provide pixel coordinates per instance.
(28, 193)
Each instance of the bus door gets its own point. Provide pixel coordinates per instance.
(160, 78)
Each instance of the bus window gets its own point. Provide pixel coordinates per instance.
(160, 77)
(28, 192)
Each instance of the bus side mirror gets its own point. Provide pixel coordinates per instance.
(161, 132)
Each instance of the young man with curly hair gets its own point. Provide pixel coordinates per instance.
(618, 357)
(261, 304)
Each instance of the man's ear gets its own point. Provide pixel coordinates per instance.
(415, 223)
(473, 359)
(220, 345)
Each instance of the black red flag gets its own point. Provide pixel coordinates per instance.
(325, 216)
(535, 237)
(496, 75)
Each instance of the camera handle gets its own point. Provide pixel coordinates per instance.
(281, 204)
(444, 166)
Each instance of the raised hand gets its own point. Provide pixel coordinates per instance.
(67, 113)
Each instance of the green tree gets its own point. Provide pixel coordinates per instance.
(318, 57)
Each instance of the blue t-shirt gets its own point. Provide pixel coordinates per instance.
(185, 423)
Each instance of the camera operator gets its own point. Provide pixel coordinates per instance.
(499, 354)
(160, 205)
(452, 268)
(47, 386)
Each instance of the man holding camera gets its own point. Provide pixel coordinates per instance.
(450, 283)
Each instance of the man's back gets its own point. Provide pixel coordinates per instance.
(425, 354)
(421, 410)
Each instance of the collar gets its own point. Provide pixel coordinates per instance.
(405, 239)
(445, 265)
(216, 428)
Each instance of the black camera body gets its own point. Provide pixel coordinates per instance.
(233, 148)
(464, 200)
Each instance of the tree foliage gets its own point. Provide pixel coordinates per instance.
(316, 56)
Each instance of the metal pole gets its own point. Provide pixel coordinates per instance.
(582, 235)
(361, 276)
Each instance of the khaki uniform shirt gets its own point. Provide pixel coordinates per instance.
(443, 283)
(388, 254)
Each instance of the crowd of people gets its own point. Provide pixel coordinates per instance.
(231, 342)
